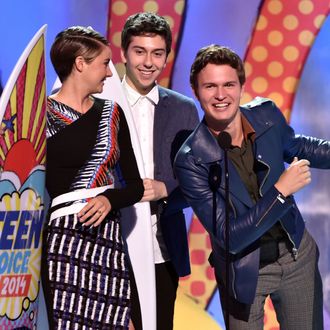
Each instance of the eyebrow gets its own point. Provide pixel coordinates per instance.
(154, 50)
(215, 83)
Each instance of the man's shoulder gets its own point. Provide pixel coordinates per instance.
(174, 96)
(201, 147)
(260, 107)
(197, 136)
(263, 111)
(257, 102)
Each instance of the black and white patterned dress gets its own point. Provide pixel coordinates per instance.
(86, 279)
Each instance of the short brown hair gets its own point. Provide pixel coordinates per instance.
(145, 24)
(218, 55)
(73, 42)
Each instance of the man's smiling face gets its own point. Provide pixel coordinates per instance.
(219, 92)
(145, 60)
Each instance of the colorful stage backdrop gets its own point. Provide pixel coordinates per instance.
(286, 51)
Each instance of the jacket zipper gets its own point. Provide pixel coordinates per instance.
(232, 264)
(233, 281)
(271, 205)
(294, 249)
(261, 185)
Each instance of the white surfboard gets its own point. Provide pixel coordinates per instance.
(22, 181)
(136, 220)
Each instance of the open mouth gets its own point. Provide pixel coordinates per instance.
(221, 105)
(146, 73)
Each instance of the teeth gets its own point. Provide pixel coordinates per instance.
(222, 105)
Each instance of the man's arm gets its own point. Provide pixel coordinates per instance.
(153, 190)
(315, 150)
(158, 190)
(244, 228)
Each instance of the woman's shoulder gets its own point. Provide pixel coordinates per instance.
(106, 102)
(113, 105)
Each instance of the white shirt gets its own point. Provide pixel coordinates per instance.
(143, 109)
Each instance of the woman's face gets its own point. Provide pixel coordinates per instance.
(96, 71)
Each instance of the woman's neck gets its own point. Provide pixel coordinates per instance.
(73, 98)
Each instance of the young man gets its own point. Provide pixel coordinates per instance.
(163, 119)
(271, 252)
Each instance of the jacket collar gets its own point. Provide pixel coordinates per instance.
(259, 123)
(161, 115)
(205, 145)
(206, 150)
(163, 96)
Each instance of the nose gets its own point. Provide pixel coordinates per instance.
(148, 60)
(220, 93)
(109, 72)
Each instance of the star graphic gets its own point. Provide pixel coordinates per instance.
(9, 123)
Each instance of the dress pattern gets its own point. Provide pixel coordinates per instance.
(88, 277)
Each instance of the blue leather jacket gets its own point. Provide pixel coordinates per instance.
(275, 143)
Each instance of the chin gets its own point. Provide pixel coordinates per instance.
(146, 83)
(98, 90)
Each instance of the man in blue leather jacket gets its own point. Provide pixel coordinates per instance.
(271, 253)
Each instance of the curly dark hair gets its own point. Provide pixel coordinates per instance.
(146, 23)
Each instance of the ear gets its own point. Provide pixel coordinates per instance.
(164, 66)
(242, 90)
(195, 93)
(79, 63)
(122, 55)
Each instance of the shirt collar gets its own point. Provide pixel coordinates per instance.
(133, 96)
(248, 131)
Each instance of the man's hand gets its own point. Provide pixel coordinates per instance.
(153, 190)
(295, 177)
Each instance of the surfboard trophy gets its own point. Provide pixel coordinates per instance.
(22, 181)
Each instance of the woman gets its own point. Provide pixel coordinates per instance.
(88, 142)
